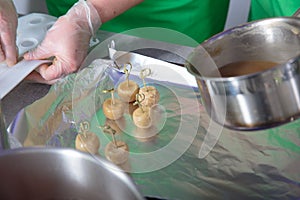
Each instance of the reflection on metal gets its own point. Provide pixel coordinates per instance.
(4, 143)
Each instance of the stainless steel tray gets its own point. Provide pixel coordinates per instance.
(235, 165)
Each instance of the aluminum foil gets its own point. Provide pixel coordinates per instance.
(165, 159)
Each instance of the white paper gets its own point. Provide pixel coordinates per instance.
(160, 70)
(10, 77)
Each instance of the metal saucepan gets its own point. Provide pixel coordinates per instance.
(42, 173)
(258, 100)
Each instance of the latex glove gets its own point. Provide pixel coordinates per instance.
(67, 41)
(8, 28)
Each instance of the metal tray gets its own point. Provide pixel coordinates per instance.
(189, 157)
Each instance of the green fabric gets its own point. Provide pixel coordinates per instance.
(59, 7)
(195, 19)
(198, 19)
(272, 8)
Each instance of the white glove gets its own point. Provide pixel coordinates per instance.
(67, 41)
(8, 28)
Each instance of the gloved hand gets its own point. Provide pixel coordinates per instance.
(67, 41)
(8, 28)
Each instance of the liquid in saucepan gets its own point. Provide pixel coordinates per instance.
(243, 68)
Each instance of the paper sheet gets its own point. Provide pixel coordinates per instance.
(10, 77)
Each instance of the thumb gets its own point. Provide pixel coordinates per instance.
(35, 77)
(39, 53)
(54, 71)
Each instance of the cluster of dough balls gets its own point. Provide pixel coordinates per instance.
(113, 108)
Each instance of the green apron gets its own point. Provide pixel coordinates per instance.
(272, 8)
(198, 19)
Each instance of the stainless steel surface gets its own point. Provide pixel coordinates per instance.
(41, 173)
(22, 95)
(240, 165)
(258, 165)
(259, 100)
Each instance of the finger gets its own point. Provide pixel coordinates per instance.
(11, 55)
(42, 67)
(35, 77)
(9, 49)
(39, 53)
(50, 72)
(2, 55)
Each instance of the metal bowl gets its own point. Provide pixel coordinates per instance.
(254, 101)
(39, 173)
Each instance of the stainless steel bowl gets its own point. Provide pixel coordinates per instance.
(61, 174)
(254, 101)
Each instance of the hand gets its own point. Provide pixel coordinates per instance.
(67, 41)
(8, 28)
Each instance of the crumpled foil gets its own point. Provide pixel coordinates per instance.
(164, 160)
